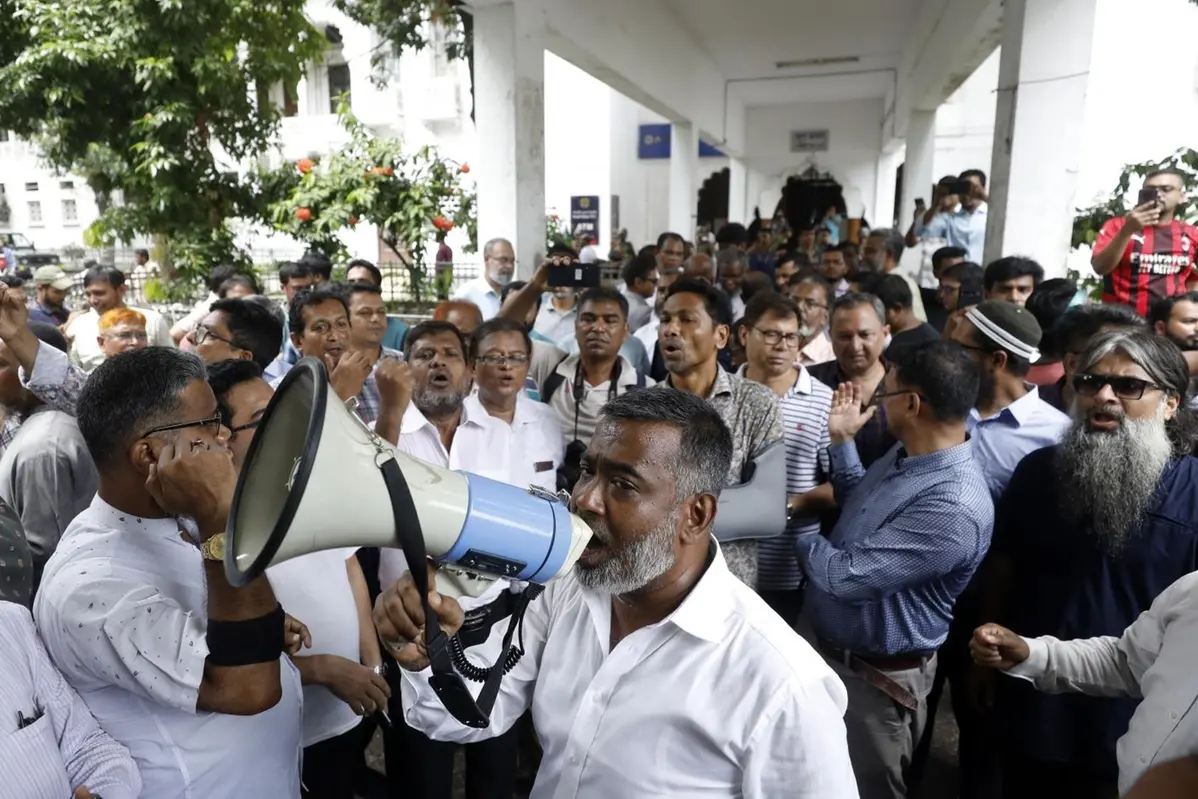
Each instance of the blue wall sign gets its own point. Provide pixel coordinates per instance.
(653, 143)
(584, 216)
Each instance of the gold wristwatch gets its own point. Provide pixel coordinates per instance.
(214, 548)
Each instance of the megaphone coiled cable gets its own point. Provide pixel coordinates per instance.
(479, 674)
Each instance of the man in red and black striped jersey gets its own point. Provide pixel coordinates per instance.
(1148, 254)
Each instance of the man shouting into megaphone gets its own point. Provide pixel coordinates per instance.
(650, 670)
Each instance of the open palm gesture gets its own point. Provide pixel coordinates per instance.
(846, 416)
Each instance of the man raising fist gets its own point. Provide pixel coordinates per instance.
(1153, 659)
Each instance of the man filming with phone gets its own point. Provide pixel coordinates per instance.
(962, 224)
(1149, 254)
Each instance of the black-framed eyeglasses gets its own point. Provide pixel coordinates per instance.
(884, 395)
(1088, 385)
(775, 337)
(202, 333)
(233, 431)
(212, 424)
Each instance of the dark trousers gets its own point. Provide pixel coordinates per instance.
(1025, 778)
(329, 766)
(421, 768)
(787, 604)
(978, 746)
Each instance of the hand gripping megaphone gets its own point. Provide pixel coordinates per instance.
(316, 477)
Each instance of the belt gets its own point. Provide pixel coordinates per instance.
(873, 670)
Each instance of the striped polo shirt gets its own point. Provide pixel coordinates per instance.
(805, 410)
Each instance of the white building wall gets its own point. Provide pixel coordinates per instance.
(854, 144)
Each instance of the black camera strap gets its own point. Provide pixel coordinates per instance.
(446, 682)
(613, 387)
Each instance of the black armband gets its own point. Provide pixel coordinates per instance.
(244, 643)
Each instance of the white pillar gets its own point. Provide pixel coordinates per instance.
(917, 170)
(509, 112)
(1044, 73)
(684, 198)
(738, 193)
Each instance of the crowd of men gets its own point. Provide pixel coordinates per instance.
(992, 474)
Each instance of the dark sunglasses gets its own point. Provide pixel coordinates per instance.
(1088, 385)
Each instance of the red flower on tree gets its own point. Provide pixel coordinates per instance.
(353, 220)
(303, 214)
(465, 169)
(442, 224)
(304, 165)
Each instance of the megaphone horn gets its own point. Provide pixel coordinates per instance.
(313, 479)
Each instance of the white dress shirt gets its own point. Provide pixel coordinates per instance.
(84, 330)
(315, 589)
(1154, 659)
(648, 334)
(122, 609)
(524, 453)
(479, 292)
(720, 699)
(63, 748)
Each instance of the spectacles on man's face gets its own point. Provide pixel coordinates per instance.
(233, 431)
(518, 359)
(128, 336)
(203, 333)
(879, 396)
(775, 337)
(1132, 388)
(211, 424)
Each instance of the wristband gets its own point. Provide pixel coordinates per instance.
(244, 643)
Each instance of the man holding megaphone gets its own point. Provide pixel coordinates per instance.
(649, 668)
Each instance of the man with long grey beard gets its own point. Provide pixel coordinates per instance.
(1087, 534)
(650, 669)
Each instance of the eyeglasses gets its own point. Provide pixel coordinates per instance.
(518, 359)
(233, 431)
(202, 333)
(502, 261)
(810, 305)
(884, 395)
(212, 424)
(1088, 385)
(776, 337)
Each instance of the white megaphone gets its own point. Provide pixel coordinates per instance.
(316, 477)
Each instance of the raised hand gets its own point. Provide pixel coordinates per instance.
(14, 315)
(846, 416)
(396, 383)
(194, 481)
(1142, 216)
(349, 374)
(399, 619)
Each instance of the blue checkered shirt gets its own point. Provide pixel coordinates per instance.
(912, 533)
(55, 381)
(369, 403)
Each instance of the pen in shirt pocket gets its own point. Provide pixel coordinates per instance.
(24, 721)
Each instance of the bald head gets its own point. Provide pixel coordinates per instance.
(463, 315)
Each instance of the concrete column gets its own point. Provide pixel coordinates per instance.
(917, 170)
(684, 197)
(1044, 72)
(509, 96)
(738, 193)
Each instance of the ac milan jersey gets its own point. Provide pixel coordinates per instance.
(1158, 262)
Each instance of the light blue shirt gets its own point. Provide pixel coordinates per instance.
(960, 229)
(480, 292)
(1002, 441)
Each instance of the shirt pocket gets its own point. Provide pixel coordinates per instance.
(36, 746)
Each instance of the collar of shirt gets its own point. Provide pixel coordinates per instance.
(627, 372)
(414, 420)
(933, 461)
(1020, 411)
(802, 384)
(704, 614)
(961, 212)
(169, 527)
(475, 415)
(721, 386)
(818, 350)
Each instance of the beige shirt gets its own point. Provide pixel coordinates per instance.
(84, 332)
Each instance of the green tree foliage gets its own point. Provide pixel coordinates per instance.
(155, 104)
(1089, 221)
(404, 25)
(408, 196)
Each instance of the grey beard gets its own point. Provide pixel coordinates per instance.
(634, 565)
(1109, 480)
(435, 405)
